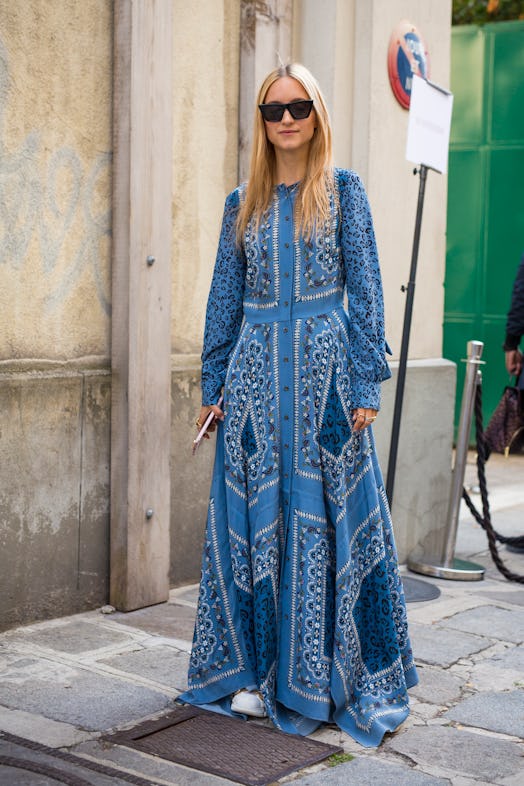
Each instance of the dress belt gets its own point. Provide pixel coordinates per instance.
(256, 313)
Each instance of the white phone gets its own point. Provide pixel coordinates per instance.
(210, 418)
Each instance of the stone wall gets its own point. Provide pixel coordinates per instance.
(55, 171)
(54, 501)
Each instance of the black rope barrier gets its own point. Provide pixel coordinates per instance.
(484, 519)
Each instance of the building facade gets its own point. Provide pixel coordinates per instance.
(102, 111)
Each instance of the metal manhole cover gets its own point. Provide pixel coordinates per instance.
(241, 751)
(415, 590)
(55, 765)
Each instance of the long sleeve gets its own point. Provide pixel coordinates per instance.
(364, 291)
(224, 306)
(515, 321)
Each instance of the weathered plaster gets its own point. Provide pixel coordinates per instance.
(379, 155)
(55, 167)
(205, 110)
(54, 498)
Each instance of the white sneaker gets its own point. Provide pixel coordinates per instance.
(249, 703)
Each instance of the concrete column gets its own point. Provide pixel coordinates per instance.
(141, 286)
(323, 33)
(265, 41)
(206, 61)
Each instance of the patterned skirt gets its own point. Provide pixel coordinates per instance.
(300, 595)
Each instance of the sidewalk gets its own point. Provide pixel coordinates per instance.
(65, 682)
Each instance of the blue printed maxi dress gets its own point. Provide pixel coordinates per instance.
(300, 594)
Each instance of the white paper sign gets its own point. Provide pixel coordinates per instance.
(429, 125)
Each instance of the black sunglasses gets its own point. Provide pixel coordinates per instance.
(299, 110)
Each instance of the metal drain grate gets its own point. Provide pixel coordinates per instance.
(38, 768)
(241, 751)
(40, 764)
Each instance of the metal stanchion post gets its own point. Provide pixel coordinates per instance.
(448, 567)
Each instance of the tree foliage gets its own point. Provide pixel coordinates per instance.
(478, 12)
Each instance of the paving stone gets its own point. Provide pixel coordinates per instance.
(484, 676)
(516, 597)
(442, 646)
(74, 637)
(366, 771)
(42, 730)
(492, 621)
(18, 670)
(423, 711)
(512, 658)
(332, 735)
(164, 665)
(171, 620)
(513, 780)
(471, 538)
(512, 561)
(503, 671)
(77, 696)
(501, 712)
(459, 751)
(501, 471)
(185, 594)
(436, 686)
(460, 780)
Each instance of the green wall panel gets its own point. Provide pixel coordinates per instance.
(504, 225)
(463, 247)
(467, 85)
(507, 98)
(485, 226)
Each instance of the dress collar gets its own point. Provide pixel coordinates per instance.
(284, 190)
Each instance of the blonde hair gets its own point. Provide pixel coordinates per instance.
(313, 202)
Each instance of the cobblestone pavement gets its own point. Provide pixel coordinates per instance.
(65, 682)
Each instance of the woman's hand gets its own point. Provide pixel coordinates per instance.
(363, 417)
(202, 417)
(514, 362)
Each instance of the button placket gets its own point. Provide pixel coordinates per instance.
(286, 258)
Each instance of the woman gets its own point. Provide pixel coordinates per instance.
(301, 614)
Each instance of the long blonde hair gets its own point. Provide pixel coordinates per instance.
(313, 202)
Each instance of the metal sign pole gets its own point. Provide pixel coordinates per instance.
(401, 378)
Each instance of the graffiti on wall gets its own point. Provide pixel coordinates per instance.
(55, 204)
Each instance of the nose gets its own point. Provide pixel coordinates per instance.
(287, 116)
